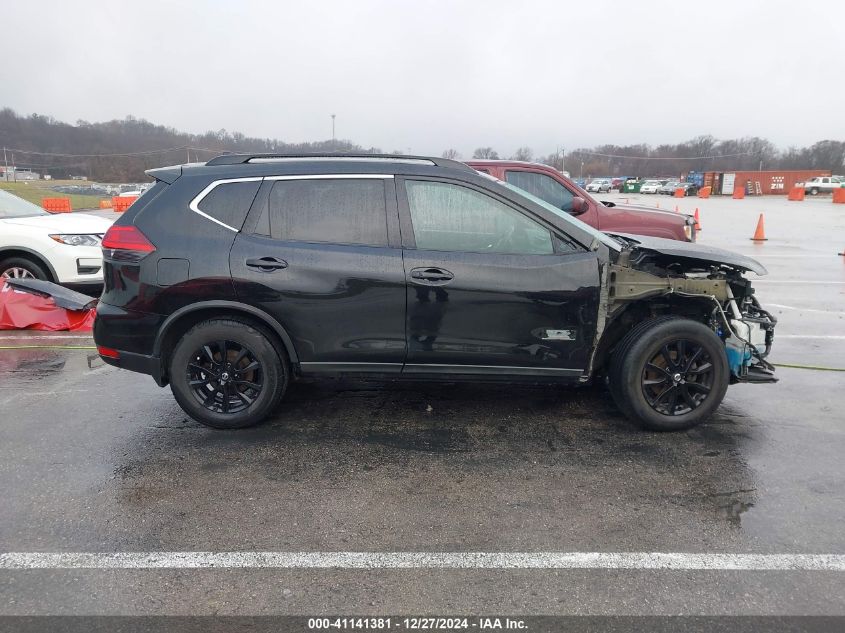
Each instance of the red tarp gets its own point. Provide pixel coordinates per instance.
(25, 311)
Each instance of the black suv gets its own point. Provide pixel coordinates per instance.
(231, 279)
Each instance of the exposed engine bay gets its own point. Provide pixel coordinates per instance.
(713, 283)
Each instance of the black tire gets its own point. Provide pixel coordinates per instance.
(254, 373)
(646, 384)
(814, 191)
(23, 263)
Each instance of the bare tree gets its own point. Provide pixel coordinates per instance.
(485, 152)
(523, 153)
(452, 154)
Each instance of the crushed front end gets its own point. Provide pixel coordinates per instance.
(750, 335)
(700, 282)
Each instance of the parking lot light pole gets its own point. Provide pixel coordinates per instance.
(334, 144)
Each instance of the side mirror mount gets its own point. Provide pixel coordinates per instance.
(579, 206)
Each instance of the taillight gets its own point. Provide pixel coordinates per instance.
(126, 243)
(108, 352)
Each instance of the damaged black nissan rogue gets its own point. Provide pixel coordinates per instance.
(231, 279)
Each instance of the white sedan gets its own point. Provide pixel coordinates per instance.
(63, 248)
(651, 186)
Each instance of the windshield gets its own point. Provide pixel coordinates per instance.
(602, 237)
(13, 207)
(652, 183)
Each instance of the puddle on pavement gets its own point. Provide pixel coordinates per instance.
(38, 363)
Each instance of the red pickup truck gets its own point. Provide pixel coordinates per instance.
(552, 186)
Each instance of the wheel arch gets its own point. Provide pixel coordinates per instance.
(694, 308)
(22, 251)
(186, 317)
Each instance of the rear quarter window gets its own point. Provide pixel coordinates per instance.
(229, 202)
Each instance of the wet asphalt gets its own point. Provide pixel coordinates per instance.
(97, 459)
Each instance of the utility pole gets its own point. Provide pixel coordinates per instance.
(6, 170)
(188, 152)
(334, 143)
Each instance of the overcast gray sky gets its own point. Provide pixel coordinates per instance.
(432, 75)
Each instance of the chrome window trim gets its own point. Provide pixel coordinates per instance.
(193, 205)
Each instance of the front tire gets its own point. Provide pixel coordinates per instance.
(227, 374)
(669, 373)
(814, 191)
(22, 268)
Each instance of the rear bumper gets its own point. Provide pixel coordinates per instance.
(150, 365)
(133, 335)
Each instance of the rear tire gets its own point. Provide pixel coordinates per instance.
(227, 374)
(23, 267)
(669, 373)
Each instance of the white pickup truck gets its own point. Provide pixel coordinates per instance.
(823, 184)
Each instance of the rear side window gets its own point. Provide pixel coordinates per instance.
(229, 202)
(338, 211)
(543, 186)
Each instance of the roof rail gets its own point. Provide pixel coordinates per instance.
(241, 159)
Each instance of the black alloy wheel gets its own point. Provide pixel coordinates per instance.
(678, 378)
(225, 376)
(669, 373)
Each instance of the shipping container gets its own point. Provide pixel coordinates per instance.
(775, 182)
(696, 178)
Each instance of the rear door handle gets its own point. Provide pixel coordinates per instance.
(431, 276)
(266, 264)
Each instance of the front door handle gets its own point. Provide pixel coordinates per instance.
(431, 276)
(266, 264)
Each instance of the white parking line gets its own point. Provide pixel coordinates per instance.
(798, 281)
(423, 560)
(830, 337)
(785, 307)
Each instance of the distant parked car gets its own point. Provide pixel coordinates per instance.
(550, 185)
(669, 188)
(822, 184)
(650, 186)
(690, 188)
(599, 185)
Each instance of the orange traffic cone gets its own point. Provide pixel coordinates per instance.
(697, 220)
(760, 233)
